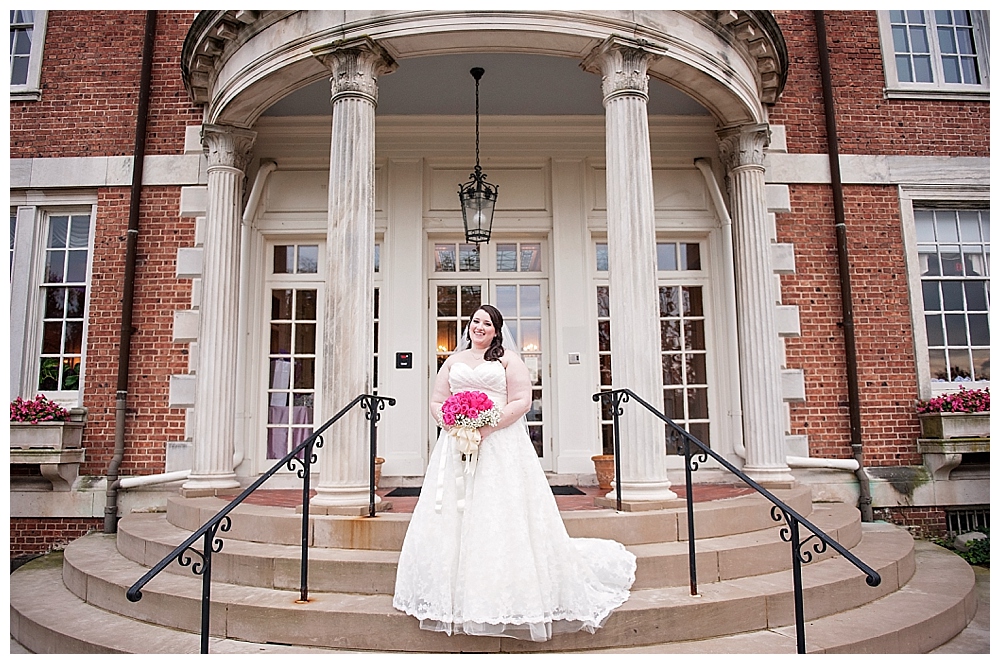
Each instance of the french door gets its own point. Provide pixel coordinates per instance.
(510, 276)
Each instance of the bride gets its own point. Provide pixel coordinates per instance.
(486, 552)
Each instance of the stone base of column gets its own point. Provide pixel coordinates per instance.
(345, 510)
(772, 478)
(657, 491)
(342, 496)
(638, 505)
(209, 485)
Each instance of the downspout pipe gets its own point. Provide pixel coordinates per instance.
(249, 213)
(128, 286)
(844, 268)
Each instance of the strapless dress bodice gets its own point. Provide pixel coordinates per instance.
(488, 377)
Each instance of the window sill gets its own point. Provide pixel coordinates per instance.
(25, 95)
(980, 94)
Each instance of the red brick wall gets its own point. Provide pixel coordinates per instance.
(867, 122)
(154, 356)
(91, 68)
(883, 336)
(922, 522)
(41, 535)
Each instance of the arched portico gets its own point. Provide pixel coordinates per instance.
(240, 63)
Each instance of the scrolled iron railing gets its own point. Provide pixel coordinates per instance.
(790, 532)
(299, 459)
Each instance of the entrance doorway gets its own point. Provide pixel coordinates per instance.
(509, 275)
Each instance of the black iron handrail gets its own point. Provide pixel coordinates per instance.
(779, 510)
(372, 404)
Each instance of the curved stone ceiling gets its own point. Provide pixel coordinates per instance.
(514, 84)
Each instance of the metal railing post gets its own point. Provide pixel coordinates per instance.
(371, 407)
(779, 511)
(222, 521)
(616, 412)
(689, 499)
(308, 458)
(206, 589)
(800, 626)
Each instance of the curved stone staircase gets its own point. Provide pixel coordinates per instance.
(745, 605)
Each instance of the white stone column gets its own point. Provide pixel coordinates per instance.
(228, 152)
(349, 268)
(635, 325)
(742, 150)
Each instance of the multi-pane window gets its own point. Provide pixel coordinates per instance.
(519, 257)
(954, 250)
(683, 356)
(292, 369)
(455, 304)
(292, 359)
(27, 33)
(521, 306)
(64, 300)
(21, 32)
(604, 355)
(13, 237)
(456, 256)
(683, 348)
(942, 49)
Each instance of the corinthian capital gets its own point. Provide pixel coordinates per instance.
(227, 146)
(744, 145)
(622, 65)
(355, 66)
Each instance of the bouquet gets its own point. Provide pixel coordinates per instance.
(466, 413)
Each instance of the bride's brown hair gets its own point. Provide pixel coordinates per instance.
(495, 351)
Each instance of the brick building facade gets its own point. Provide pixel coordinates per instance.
(904, 148)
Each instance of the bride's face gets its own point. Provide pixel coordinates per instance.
(481, 330)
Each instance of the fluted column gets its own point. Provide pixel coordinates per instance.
(349, 267)
(634, 308)
(742, 150)
(228, 151)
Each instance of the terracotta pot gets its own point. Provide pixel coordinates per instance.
(378, 470)
(955, 425)
(604, 465)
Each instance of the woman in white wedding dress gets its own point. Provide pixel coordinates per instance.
(486, 553)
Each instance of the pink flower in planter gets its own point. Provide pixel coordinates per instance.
(35, 410)
(963, 401)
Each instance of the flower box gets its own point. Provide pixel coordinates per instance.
(955, 425)
(46, 435)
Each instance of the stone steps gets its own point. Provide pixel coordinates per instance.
(147, 538)
(75, 602)
(94, 571)
(930, 609)
(933, 605)
(282, 525)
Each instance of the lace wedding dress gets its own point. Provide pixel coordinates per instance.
(487, 553)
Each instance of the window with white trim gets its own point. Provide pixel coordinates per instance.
(953, 250)
(51, 251)
(681, 287)
(931, 53)
(13, 236)
(27, 36)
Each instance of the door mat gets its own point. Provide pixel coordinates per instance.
(404, 492)
(566, 491)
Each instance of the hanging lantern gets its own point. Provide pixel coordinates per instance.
(477, 196)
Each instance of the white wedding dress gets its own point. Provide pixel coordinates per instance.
(487, 553)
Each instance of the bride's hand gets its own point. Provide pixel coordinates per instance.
(485, 431)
